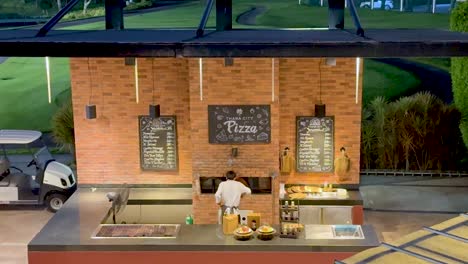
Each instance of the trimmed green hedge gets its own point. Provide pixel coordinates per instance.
(459, 69)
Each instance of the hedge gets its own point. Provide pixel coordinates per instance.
(459, 68)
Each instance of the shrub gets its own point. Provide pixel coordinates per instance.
(459, 69)
(403, 134)
(63, 127)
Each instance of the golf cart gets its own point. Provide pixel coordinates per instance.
(52, 183)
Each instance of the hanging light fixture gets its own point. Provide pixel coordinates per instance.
(137, 86)
(49, 90)
(358, 72)
(272, 79)
(200, 66)
(330, 61)
(154, 110)
(320, 108)
(90, 108)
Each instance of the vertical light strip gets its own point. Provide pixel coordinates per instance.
(49, 91)
(433, 6)
(401, 5)
(272, 79)
(358, 71)
(200, 63)
(137, 86)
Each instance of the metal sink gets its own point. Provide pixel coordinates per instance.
(347, 232)
(333, 232)
(136, 231)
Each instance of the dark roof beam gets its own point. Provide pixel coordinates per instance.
(204, 19)
(114, 14)
(55, 19)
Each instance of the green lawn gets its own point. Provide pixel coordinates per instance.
(290, 14)
(385, 80)
(23, 89)
(441, 63)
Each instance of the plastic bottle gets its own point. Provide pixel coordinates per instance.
(189, 220)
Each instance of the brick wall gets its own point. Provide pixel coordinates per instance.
(248, 81)
(108, 147)
(299, 91)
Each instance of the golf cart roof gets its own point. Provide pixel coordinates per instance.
(19, 136)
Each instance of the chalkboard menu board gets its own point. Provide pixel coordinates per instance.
(239, 124)
(314, 144)
(158, 143)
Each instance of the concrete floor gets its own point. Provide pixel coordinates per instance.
(19, 225)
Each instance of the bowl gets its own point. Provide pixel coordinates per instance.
(243, 237)
(266, 236)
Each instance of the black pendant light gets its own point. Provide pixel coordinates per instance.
(154, 109)
(90, 108)
(320, 108)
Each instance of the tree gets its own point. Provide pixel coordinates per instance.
(85, 5)
(59, 4)
(459, 69)
(45, 5)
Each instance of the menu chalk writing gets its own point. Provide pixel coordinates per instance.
(239, 124)
(314, 144)
(158, 143)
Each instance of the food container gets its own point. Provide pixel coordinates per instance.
(266, 232)
(243, 237)
(266, 236)
(243, 233)
(230, 223)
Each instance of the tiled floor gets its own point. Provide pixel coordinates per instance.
(18, 226)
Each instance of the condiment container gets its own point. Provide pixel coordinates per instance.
(230, 223)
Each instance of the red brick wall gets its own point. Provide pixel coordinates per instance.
(299, 91)
(108, 148)
(248, 81)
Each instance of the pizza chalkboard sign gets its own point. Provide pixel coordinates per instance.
(239, 124)
(314, 144)
(158, 143)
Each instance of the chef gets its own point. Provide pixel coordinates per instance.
(230, 192)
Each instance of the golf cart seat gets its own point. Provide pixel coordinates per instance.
(4, 167)
(5, 182)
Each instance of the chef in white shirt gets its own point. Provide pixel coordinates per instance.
(230, 192)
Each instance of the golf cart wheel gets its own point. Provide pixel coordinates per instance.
(55, 202)
(387, 7)
(366, 6)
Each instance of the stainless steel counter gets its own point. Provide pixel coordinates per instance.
(72, 227)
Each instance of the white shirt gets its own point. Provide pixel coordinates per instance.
(230, 192)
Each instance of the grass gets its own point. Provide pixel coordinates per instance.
(381, 79)
(441, 63)
(280, 14)
(289, 14)
(23, 87)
